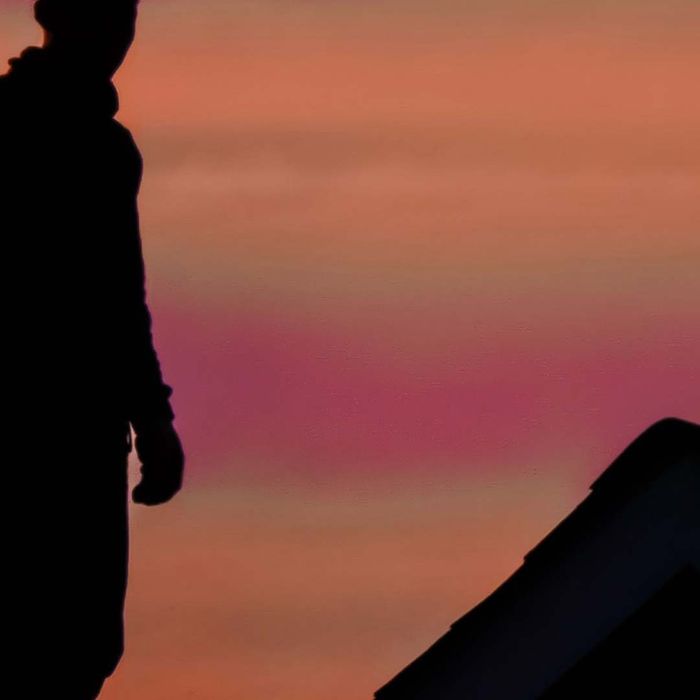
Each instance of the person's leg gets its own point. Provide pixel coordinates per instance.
(65, 557)
(104, 569)
(94, 562)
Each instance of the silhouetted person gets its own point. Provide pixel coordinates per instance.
(78, 360)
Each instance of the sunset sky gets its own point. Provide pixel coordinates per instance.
(418, 272)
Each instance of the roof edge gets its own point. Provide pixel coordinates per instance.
(659, 446)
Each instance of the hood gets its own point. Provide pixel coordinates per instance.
(40, 83)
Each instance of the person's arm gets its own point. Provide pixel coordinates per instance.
(148, 407)
(147, 395)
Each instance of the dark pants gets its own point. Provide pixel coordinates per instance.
(68, 562)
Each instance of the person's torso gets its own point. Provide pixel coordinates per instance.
(67, 201)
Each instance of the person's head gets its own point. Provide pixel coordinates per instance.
(97, 32)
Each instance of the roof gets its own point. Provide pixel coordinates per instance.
(657, 451)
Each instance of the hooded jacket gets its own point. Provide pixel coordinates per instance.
(78, 331)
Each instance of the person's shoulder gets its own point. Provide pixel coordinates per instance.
(125, 145)
(16, 119)
(5, 111)
(3, 94)
(7, 101)
(122, 135)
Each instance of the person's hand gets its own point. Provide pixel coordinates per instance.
(162, 464)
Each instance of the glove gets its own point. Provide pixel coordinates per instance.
(162, 459)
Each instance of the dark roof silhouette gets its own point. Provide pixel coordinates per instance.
(616, 583)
